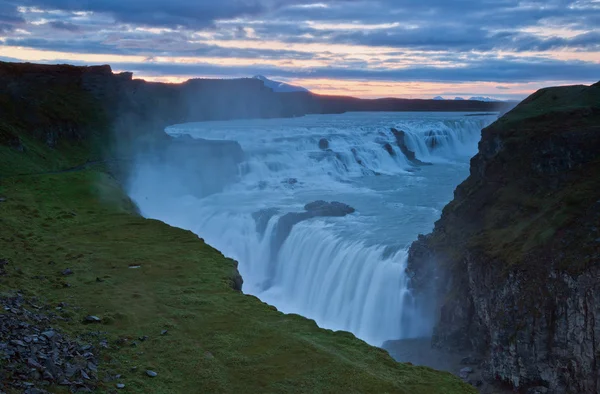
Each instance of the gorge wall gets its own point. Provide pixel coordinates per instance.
(515, 259)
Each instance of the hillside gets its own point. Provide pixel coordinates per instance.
(131, 301)
(515, 259)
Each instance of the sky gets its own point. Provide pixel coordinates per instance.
(504, 49)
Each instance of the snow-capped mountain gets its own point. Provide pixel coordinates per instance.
(280, 86)
(475, 98)
(479, 98)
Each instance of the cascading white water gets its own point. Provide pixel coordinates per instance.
(347, 273)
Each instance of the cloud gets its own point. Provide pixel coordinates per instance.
(493, 70)
(60, 25)
(502, 87)
(172, 13)
(497, 41)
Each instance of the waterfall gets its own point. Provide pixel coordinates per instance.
(347, 271)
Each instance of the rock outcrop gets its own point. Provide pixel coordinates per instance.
(401, 142)
(515, 259)
(286, 222)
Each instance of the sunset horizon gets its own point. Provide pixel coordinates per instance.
(501, 49)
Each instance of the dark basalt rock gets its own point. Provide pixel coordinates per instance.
(262, 219)
(236, 279)
(334, 208)
(356, 158)
(389, 149)
(34, 356)
(288, 221)
(323, 144)
(513, 261)
(410, 155)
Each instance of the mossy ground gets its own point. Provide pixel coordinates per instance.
(218, 340)
(516, 210)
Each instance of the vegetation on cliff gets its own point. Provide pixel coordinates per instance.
(534, 180)
(515, 258)
(142, 277)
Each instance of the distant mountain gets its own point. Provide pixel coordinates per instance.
(280, 87)
(487, 99)
(475, 98)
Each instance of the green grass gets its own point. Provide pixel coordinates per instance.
(82, 221)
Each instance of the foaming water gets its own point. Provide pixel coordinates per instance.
(347, 273)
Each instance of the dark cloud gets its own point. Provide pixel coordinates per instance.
(151, 47)
(452, 40)
(492, 70)
(10, 19)
(60, 25)
(172, 13)
(463, 39)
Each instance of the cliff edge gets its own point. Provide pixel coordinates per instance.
(514, 261)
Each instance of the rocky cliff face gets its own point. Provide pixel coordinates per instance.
(515, 259)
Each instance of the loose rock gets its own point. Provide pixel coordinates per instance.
(120, 385)
(465, 372)
(92, 319)
(67, 272)
(150, 373)
(35, 355)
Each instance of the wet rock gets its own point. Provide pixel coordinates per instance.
(290, 181)
(401, 142)
(465, 372)
(323, 144)
(262, 218)
(152, 374)
(288, 221)
(389, 149)
(334, 208)
(357, 157)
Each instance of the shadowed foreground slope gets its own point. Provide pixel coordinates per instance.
(218, 340)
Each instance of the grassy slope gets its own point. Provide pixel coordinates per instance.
(218, 340)
(516, 212)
